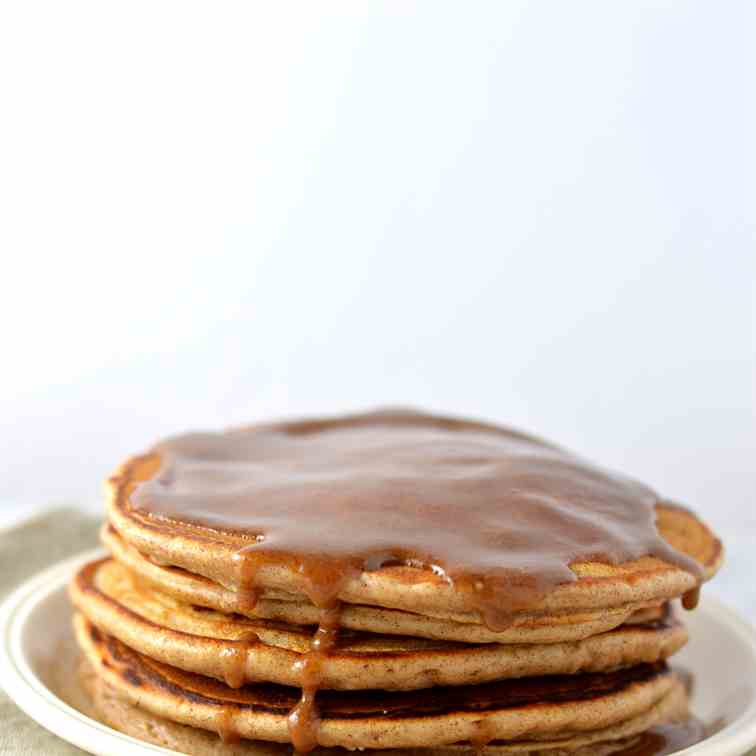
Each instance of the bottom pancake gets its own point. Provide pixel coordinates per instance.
(112, 709)
(531, 715)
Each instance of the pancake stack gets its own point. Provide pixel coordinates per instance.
(390, 581)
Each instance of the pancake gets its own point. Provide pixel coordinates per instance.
(238, 650)
(547, 710)
(525, 628)
(402, 510)
(676, 733)
(390, 580)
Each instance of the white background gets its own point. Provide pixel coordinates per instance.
(541, 213)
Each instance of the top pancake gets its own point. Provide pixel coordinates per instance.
(526, 628)
(408, 511)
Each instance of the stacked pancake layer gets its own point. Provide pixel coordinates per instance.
(218, 612)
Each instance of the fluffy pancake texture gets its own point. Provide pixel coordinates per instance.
(547, 709)
(524, 628)
(667, 723)
(205, 641)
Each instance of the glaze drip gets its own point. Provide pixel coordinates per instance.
(304, 718)
(233, 659)
(225, 727)
(691, 598)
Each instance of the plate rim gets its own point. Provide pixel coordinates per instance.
(34, 698)
(30, 694)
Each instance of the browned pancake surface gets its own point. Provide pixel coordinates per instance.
(536, 708)
(234, 648)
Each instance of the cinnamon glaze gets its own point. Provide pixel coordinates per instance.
(226, 729)
(304, 718)
(691, 598)
(498, 514)
(233, 659)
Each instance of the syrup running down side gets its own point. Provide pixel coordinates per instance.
(304, 718)
(234, 660)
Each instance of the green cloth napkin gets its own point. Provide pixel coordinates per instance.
(24, 551)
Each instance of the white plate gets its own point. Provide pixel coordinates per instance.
(36, 639)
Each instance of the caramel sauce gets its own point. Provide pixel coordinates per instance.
(247, 594)
(233, 658)
(304, 718)
(225, 727)
(498, 515)
(691, 598)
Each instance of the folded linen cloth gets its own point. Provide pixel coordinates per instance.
(24, 551)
